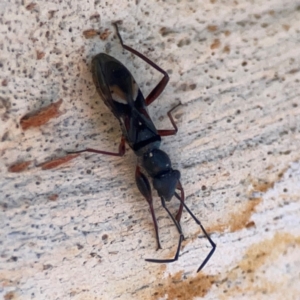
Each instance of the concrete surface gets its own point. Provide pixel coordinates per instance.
(81, 230)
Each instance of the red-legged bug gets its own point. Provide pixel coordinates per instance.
(121, 94)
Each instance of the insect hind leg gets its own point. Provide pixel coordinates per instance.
(163, 82)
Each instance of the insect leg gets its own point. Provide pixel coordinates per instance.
(163, 82)
(179, 213)
(121, 151)
(166, 132)
(181, 238)
(213, 245)
(144, 187)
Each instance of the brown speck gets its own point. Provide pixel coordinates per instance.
(47, 267)
(213, 1)
(216, 44)
(183, 87)
(250, 224)
(212, 28)
(184, 42)
(293, 71)
(264, 25)
(39, 54)
(226, 49)
(286, 27)
(53, 197)
(5, 137)
(74, 293)
(33, 39)
(42, 116)
(57, 51)
(105, 34)
(19, 167)
(164, 31)
(192, 86)
(90, 33)
(244, 63)
(31, 6)
(271, 12)
(227, 33)
(79, 246)
(104, 237)
(51, 13)
(95, 16)
(9, 296)
(257, 16)
(118, 22)
(95, 255)
(4, 82)
(51, 164)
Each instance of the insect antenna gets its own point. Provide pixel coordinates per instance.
(181, 238)
(213, 245)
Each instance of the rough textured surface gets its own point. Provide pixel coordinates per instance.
(82, 230)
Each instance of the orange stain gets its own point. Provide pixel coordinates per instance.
(19, 167)
(42, 116)
(51, 164)
(177, 287)
(90, 33)
(212, 28)
(216, 44)
(247, 278)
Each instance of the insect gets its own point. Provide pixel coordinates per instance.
(122, 96)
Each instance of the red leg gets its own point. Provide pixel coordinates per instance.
(179, 213)
(144, 187)
(164, 81)
(121, 151)
(166, 132)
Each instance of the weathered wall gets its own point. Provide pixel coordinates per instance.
(82, 230)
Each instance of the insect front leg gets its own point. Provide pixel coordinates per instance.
(121, 151)
(166, 132)
(145, 189)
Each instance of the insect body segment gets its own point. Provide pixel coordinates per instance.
(121, 94)
(113, 81)
(124, 98)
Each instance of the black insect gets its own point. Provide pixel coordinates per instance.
(121, 94)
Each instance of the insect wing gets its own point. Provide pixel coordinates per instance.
(114, 83)
(141, 127)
